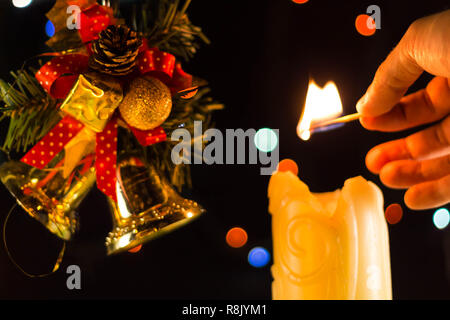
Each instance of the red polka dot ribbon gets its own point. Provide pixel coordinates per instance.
(160, 64)
(105, 151)
(149, 137)
(106, 158)
(163, 66)
(93, 21)
(53, 143)
(58, 76)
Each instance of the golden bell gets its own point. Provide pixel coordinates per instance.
(147, 207)
(47, 195)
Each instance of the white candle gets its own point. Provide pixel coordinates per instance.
(329, 245)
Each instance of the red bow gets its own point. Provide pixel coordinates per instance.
(58, 77)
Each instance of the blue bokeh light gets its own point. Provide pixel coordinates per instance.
(258, 257)
(49, 29)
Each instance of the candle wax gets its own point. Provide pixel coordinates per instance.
(330, 245)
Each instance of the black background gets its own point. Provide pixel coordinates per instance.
(259, 64)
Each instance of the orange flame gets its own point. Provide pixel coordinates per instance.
(321, 104)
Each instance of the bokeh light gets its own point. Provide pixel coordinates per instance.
(21, 3)
(258, 257)
(266, 140)
(393, 213)
(288, 165)
(441, 218)
(300, 1)
(362, 25)
(49, 29)
(236, 237)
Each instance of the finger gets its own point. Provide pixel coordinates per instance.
(392, 79)
(429, 195)
(432, 142)
(386, 152)
(425, 106)
(423, 47)
(403, 174)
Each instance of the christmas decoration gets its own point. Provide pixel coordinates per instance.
(146, 206)
(99, 112)
(147, 104)
(115, 51)
(47, 195)
(93, 100)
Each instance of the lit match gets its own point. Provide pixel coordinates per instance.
(340, 120)
(323, 110)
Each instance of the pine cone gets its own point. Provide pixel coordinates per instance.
(115, 51)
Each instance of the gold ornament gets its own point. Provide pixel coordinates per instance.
(93, 100)
(147, 104)
(47, 195)
(147, 207)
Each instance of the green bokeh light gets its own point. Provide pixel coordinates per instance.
(266, 140)
(441, 218)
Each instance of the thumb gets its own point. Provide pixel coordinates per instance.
(424, 47)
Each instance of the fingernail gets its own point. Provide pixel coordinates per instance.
(360, 104)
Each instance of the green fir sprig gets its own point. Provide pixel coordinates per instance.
(166, 25)
(30, 110)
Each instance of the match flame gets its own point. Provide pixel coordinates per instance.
(321, 104)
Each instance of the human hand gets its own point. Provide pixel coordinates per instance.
(421, 161)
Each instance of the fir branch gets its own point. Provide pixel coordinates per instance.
(166, 25)
(31, 111)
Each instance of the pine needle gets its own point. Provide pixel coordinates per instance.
(170, 28)
(30, 110)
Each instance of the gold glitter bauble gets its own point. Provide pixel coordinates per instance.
(147, 103)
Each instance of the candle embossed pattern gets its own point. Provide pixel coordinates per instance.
(331, 245)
